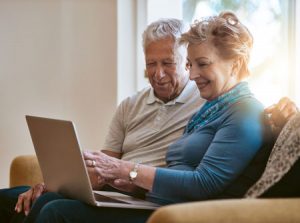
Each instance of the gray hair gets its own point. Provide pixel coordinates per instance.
(163, 28)
(166, 28)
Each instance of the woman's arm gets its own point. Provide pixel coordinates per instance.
(116, 171)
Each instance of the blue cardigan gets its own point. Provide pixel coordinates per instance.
(202, 164)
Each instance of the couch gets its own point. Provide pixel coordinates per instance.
(25, 171)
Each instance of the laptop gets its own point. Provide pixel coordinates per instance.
(63, 168)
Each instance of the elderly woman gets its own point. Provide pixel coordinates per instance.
(219, 141)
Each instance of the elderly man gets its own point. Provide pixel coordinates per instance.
(144, 124)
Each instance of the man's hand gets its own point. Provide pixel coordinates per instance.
(280, 113)
(26, 199)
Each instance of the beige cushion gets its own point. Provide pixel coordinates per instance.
(231, 211)
(25, 170)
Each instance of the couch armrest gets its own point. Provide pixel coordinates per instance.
(228, 211)
(25, 170)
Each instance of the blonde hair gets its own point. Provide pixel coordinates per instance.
(232, 39)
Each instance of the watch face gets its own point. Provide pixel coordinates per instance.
(133, 174)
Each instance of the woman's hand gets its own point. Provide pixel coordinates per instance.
(96, 181)
(111, 169)
(105, 168)
(123, 185)
(280, 113)
(26, 199)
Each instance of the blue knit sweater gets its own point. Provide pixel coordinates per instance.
(202, 164)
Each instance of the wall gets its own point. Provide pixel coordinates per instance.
(57, 59)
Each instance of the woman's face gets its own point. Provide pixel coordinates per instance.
(212, 74)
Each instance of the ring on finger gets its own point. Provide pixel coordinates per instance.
(93, 163)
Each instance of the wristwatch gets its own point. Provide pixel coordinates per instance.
(134, 172)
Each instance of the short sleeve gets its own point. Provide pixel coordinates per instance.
(116, 134)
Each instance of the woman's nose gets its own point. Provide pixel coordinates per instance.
(193, 74)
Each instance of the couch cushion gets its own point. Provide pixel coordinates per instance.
(230, 211)
(25, 170)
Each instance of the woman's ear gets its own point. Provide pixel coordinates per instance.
(187, 66)
(236, 66)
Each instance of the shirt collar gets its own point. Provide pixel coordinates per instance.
(182, 98)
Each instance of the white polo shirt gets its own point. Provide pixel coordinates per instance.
(144, 126)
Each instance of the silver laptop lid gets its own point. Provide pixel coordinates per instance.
(58, 151)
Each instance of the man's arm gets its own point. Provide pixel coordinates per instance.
(111, 153)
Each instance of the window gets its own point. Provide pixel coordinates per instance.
(273, 25)
(147, 12)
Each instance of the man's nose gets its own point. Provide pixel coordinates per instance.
(159, 73)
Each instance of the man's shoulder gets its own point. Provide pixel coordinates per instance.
(137, 97)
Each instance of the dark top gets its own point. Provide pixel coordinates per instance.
(288, 186)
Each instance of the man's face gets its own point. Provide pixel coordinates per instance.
(166, 72)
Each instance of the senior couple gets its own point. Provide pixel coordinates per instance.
(191, 136)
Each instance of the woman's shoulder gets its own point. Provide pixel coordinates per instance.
(247, 109)
(247, 105)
